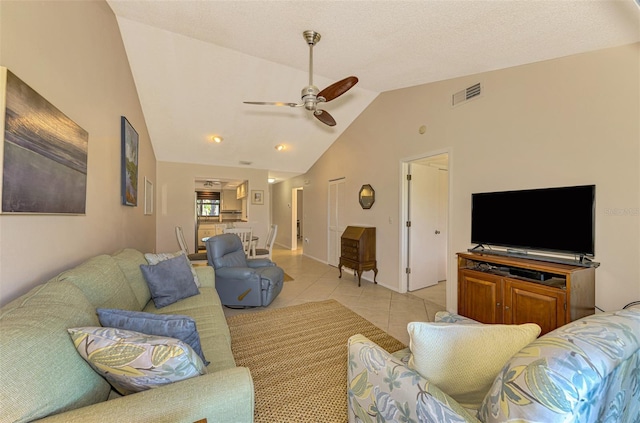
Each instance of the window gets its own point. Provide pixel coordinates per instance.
(208, 203)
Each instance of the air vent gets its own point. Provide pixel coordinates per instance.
(466, 94)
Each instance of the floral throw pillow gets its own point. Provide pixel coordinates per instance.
(132, 361)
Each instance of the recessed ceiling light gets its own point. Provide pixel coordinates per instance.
(279, 147)
(217, 139)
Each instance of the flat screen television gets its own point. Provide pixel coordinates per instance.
(558, 220)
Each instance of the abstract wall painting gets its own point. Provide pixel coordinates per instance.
(129, 164)
(43, 153)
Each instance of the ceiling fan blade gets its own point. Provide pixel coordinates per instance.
(273, 103)
(338, 88)
(324, 117)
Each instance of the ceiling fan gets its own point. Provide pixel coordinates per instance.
(311, 95)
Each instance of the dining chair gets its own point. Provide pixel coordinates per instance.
(200, 258)
(245, 235)
(266, 252)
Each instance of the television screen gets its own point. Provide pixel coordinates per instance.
(550, 219)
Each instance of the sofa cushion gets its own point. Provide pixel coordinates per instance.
(169, 325)
(464, 359)
(129, 261)
(169, 281)
(212, 325)
(41, 372)
(157, 258)
(134, 362)
(103, 283)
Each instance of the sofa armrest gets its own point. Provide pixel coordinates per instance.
(206, 276)
(448, 317)
(223, 396)
(239, 273)
(585, 371)
(260, 262)
(381, 388)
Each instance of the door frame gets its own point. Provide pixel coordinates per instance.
(294, 217)
(404, 210)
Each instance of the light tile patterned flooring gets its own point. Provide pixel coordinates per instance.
(315, 281)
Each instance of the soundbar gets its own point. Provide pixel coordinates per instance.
(530, 274)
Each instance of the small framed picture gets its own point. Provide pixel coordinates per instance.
(257, 196)
(148, 196)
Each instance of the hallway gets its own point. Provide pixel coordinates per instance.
(315, 281)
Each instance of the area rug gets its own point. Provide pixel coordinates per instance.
(287, 278)
(298, 359)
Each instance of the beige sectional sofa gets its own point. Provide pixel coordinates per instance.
(42, 376)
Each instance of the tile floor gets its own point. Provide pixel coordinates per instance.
(315, 281)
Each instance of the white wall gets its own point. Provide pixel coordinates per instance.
(71, 53)
(176, 199)
(562, 122)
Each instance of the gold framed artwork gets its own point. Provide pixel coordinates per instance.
(129, 179)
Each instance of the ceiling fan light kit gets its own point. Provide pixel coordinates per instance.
(311, 95)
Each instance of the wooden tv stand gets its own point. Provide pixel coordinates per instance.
(491, 290)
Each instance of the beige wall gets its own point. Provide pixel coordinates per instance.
(71, 53)
(561, 122)
(176, 200)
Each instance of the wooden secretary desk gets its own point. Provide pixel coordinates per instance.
(358, 250)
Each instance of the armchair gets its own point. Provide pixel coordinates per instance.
(585, 371)
(242, 282)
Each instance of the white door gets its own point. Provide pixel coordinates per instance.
(424, 233)
(336, 220)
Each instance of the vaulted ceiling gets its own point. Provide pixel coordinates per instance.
(195, 62)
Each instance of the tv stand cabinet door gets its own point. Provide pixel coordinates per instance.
(526, 302)
(480, 296)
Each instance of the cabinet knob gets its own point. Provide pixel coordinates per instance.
(506, 307)
(497, 304)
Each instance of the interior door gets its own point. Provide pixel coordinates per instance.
(336, 222)
(424, 233)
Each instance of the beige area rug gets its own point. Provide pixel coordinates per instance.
(298, 359)
(287, 278)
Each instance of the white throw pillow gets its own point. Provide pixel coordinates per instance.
(464, 360)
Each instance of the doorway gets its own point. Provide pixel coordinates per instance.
(426, 207)
(297, 218)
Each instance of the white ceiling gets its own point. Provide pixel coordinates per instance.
(195, 62)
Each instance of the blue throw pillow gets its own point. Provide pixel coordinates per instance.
(169, 281)
(168, 325)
